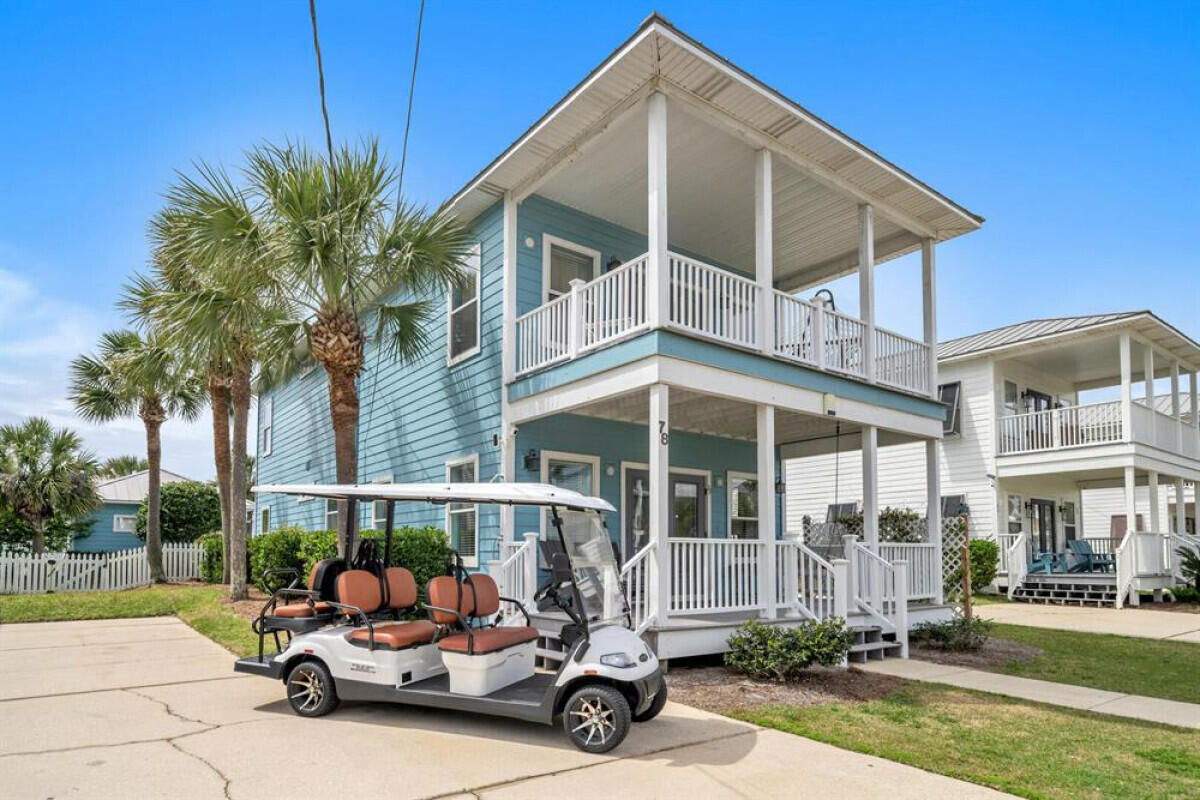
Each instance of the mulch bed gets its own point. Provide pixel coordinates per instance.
(994, 653)
(720, 690)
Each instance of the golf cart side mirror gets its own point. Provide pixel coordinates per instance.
(560, 567)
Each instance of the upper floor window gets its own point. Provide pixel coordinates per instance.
(462, 323)
(268, 427)
(462, 519)
(563, 262)
(1011, 399)
(951, 395)
(266, 520)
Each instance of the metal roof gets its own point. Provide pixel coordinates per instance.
(133, 488)
(517, 494)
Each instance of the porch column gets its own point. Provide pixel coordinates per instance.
(1126, 388)
(1193, 409)
(1180, 508)
(764, 242)
(1148, 390)
(508, 339)
(929, 303)
(1155, 511)
(933, 508)
(866, 285)
(766, 507)
(660, 508)
(870, 483)
(1130, 499)
(1176, 406)
(658, 303)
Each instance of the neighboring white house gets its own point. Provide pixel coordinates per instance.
(1048, 439)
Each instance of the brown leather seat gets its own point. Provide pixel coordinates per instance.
(487, 640)
(301, 609)
(480, 598)
(361, 589)
(402, 588)
(397, 635)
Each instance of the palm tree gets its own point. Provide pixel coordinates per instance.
(120, 466)
(138, 376)
(207, 297)
(345, 259)
(44, 473)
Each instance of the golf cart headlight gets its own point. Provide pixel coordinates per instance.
(618, 660)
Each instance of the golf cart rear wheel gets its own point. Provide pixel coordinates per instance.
(656, 705)
(310, 690)
(596, 718)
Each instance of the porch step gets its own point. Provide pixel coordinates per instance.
(871, 643)
(1073, 594)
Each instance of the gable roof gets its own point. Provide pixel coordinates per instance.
(1026, 332)
(133, 488)
(660, 55)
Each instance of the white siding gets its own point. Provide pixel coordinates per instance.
(1100, 505)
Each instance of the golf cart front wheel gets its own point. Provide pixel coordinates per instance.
(596, 718)
(656, 705)
(310, 690)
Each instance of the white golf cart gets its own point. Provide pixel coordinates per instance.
(350, 633)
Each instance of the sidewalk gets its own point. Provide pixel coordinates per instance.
(1144, 623)
(1149, 709)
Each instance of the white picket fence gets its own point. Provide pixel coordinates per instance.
(25, 573)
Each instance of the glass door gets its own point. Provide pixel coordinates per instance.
(1042, 513)
(689, 505)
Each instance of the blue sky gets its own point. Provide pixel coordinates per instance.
(1070, 126)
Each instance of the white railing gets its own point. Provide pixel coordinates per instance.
(805, 583)
(1004, 541)
(1126, 558)
(543, 335)
(635, 573)
(923, 566)
(901, 362)
(879, 589)
(798, 326)
(714, 575)
(713, 303)
(25, 573)
(613, 305)
(843, 343)
(1073, 426)
(516, 574)
(1017, 559)
(1154, 554)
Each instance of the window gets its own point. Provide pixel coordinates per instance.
(950, 395)
(954, 505)
(124, 523)
(462, 519)
(1015, 519)
(570, 471)
(331, 515)
(379, 508)
(563, 262)
(462, 323)
(743, 506)
(1011, 398)
(265, 526)
(1068, 520)
(267, 421)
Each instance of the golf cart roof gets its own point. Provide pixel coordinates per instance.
(518, 494)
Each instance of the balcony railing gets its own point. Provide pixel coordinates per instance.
(1095, 424)
(711, 303)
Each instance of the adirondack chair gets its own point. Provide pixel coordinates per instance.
(1087, 560)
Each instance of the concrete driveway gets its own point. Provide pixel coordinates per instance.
(149, 708)
(1145, 623)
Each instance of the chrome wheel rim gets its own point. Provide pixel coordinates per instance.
(305, 689)
(593, 721)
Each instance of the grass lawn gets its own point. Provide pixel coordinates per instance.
(1016, 746)
(1117, 663)
(205, 608)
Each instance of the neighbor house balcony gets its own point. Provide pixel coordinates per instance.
(1096, 425)
(714, 304)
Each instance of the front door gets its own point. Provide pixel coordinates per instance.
(688, 507)
(1042, 512)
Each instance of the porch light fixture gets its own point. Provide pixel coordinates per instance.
(532, 462)
(780, 486)
(612, 264)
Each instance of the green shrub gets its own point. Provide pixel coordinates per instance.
(1189, 565)
(422, 550)
(985, 560)
(959, 634)
(316, 546)
(277, 549)
(1186, 594)
(189, 510)
(211, 562)
(775, 652)
(902, 525)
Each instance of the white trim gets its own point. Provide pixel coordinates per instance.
(562, 455)
(731, 477)
(704, 473)
(475, 253)
(377, 522)
(129, 519)
(549, 241)
(472, 459)
(267, 419)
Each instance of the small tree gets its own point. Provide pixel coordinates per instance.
(188, 510)
(120, 466)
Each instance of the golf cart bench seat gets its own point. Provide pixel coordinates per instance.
(397, 635)
(302, 609)
(477, 597)
(488, 640)
(313, 609)
(364, 590)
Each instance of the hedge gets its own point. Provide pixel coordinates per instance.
(773, 652)
(189, 510)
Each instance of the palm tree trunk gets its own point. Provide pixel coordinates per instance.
(38, 543)
(240, 394)
(219, 399)
(153, 423)
(343, 411)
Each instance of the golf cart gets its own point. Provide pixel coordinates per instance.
(350, 634)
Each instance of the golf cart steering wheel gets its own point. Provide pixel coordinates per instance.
(548, 589)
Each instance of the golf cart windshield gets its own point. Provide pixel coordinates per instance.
(597, 576)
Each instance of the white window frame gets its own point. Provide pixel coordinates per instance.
(473, 459)
(264, 524)
(268, 425)
(731, 478)
(334, 512)
(626, 466)
(378, 522)
(549, 241)
(560, 455)
(128, 519)
(476, 255)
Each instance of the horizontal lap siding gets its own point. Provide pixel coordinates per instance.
(101, 538)
(1101, 505)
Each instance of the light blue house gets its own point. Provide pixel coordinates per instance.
(645, 325)
(114, 523)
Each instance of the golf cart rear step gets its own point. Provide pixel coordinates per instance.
(267, 666)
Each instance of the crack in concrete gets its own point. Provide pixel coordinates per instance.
(225, 780)
(170, 711)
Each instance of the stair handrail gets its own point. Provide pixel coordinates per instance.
(1125, 557)
(635, 579)
(873, 581)
(1018, 563)
(516, 575)
(811, 586)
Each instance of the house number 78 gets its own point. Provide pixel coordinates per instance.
(664, 438)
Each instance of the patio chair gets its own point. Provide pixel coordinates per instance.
(1088, 560)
